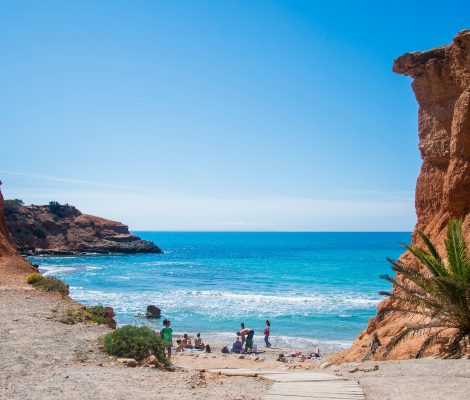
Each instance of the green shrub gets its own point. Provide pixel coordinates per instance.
(13, 203)
(95, 314)
(135, 342)
(47, 283)
(52, 284)
(33, 278)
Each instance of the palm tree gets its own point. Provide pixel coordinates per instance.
(437, 295)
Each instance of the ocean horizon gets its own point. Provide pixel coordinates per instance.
(315, 287)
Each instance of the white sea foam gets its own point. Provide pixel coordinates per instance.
(222, 303)
(64, 269)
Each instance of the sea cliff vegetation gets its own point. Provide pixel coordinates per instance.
(436, 296)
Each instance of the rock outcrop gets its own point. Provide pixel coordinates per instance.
(62, 229)
(442, 88)
(12, 266)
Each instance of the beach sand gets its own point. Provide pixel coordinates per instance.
(43, 358)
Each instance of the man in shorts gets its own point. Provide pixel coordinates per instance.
(167, 336)
(247, 337)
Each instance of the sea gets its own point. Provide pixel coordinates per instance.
(315, 288)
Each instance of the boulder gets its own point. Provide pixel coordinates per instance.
(153, 312)
(130, 362)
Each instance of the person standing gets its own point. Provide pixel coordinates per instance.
(267, 332)
(167, 336)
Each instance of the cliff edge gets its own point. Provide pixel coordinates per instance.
(442, 89)
(62, 229)
(13, 268)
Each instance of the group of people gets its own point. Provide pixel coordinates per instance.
(166, 335)
(243, 342)
(186, 343)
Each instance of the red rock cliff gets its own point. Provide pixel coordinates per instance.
(12, 267)
(442, 88)
(62, 229)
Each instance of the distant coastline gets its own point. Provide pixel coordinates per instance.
(62, 229)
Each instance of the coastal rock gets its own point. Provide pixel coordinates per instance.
(13, 266)
(442, 88)
(153, 311)
(130, 362)
(62, 229)
(109, 315)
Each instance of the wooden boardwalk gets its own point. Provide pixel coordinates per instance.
(289, 385)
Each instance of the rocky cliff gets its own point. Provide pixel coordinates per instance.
(12, 266)
(442, 88)
(62, 229)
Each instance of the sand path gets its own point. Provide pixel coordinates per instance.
(289, 385)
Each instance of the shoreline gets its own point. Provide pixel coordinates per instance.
(66, 361)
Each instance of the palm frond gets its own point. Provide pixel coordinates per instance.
(456, 250)
(437, 295)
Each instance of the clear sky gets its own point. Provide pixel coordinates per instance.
(217, 115)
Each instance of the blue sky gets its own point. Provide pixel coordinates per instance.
(217, 115)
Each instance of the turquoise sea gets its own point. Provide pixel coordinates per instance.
(313, 287)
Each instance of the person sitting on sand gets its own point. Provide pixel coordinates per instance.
(242, 326)
(167, 336)
(247, 337)
(316, 353)
(179, 347)
(237, 346)
(198, 343)
(186, 342)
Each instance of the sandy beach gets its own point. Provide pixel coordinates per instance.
(43, 358)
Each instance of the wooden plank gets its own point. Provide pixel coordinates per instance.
(301, 377)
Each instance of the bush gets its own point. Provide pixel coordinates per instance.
(135, 342)
(13, 203)
(62, 210)
(95, 314)
(47, 283)
(52, 284)
(33, 278)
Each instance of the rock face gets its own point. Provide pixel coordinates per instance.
(62, 229)
(442, 88)
(12, 266)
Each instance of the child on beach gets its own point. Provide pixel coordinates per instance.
(237, 346)
(167, 336)
(267, 331)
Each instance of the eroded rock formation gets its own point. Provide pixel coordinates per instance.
(12, 266)
(62, 229)
(442, 88)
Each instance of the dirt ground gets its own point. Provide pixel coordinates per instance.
(42, 358)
